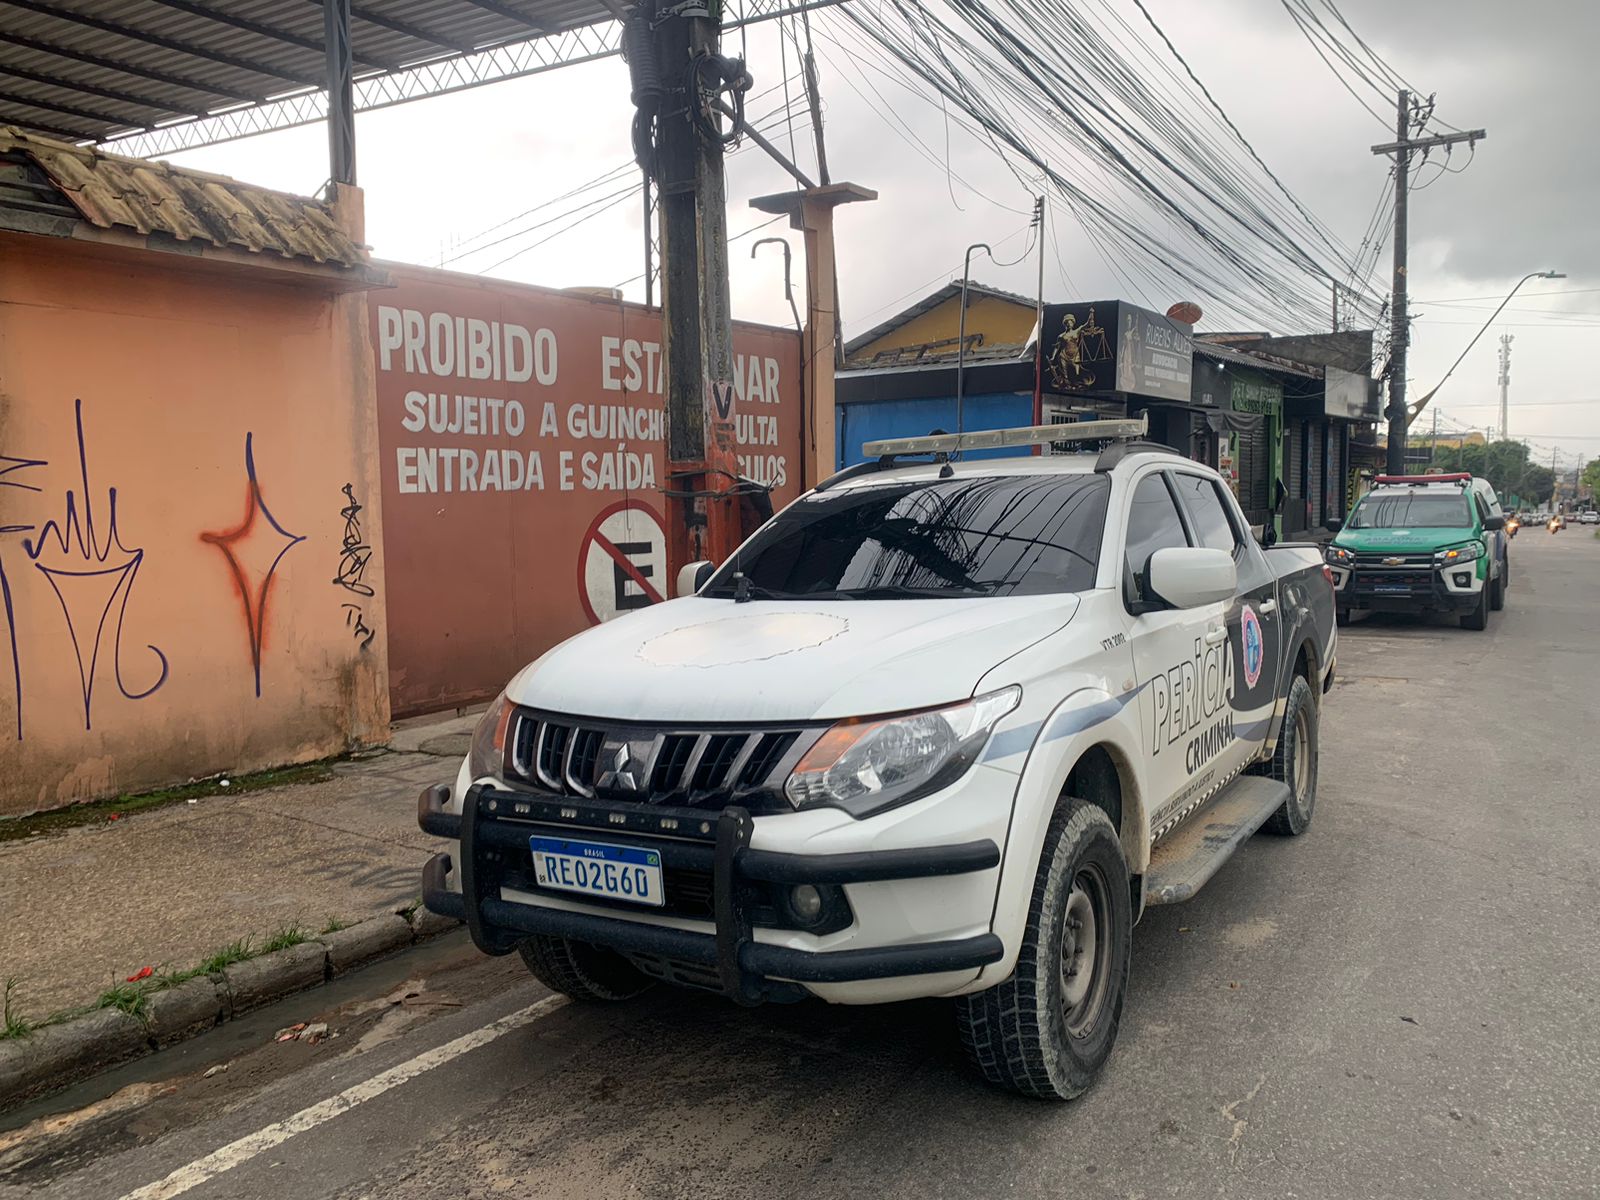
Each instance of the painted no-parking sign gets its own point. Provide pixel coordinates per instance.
(622, 561)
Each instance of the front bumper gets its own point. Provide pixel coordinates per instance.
(1410, 590)
(494, 826)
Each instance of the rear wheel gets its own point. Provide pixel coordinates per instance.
(1342, 616)
(1497, 598)
(1047, 1029)
(1294, 762)
(582, 971)
(1478, 618)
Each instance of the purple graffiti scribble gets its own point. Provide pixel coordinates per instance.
(82, 593)
(8, 466)
(239, 547)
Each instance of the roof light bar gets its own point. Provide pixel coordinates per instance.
(1459, 477)
(996, 439)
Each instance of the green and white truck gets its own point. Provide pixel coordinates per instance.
(1422, 543)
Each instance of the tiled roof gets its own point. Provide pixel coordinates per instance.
(113, 192)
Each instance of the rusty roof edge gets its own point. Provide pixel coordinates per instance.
(305, 228)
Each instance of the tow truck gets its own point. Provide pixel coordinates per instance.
(943, 727)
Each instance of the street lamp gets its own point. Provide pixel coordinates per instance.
(961, 337)
(1423, 403)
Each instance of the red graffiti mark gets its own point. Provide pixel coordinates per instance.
(254, 548)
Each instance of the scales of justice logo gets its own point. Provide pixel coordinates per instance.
(1079, 354)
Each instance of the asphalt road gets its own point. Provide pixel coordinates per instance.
(1400, 1004)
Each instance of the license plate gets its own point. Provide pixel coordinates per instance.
(1392, 589)
(599, 869)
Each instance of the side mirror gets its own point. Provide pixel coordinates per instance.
(693, 576)
(1191, 576)
(1494, 523)
(1334, 524)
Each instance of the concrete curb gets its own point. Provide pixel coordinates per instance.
(52, 1057)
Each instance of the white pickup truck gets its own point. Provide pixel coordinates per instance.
(939, 728)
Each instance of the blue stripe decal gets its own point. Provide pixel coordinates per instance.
(1253, 731)
(1012, 741)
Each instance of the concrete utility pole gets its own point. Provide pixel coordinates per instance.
(696, 311)
(1400, 325)
(1505, 384)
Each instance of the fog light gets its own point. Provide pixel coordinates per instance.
(1463, 579)
(805, 902)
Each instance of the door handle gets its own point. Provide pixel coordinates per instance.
(1216, 637)
(1268, 606)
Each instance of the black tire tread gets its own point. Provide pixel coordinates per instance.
(560, 965)
(1002, 1027)
(1280, 822)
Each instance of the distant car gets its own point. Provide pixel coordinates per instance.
(1589, 517)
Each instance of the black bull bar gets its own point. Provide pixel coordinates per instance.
(494, 820)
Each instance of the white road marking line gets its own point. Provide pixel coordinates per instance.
(234, 1153)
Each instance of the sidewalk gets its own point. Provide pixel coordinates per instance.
(88, 907)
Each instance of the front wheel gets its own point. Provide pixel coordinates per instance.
(1478, 618)
(1047, 1029)
(1294, 762)
(584, 972)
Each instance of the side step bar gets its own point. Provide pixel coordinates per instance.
(1183, 863)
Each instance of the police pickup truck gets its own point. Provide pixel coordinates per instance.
(942, 727)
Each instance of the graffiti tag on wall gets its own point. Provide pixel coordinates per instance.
(89, 569)
(354, 555)
(253, 549)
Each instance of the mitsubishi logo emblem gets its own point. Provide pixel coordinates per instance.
(620, 774)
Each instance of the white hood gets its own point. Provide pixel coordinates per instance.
(699, 659)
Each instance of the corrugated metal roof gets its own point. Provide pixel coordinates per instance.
(88, 70)
(113, 192)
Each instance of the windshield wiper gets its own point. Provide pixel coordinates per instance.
(903, 591)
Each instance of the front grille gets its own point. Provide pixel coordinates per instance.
(1372, 582)
(686, 767)
(1385, 562)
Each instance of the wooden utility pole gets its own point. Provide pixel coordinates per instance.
(1400, 326)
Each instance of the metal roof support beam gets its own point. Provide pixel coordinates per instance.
(341, 91)
(515, 60)
(407, 28)
(65, 110)
(511, 14)
(155, 39)
(271, 32)
(95, 60)
(89, 89)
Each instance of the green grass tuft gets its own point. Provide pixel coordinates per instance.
(289, 935)
(16, 1025)
(131, 998)
(335, 924)
(233, 952)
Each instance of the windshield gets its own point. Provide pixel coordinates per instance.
(1412, 509)
(1017, 535)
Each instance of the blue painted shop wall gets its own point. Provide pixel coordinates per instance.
(869, 420)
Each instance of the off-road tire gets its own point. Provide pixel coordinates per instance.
(1497, 593)
(1478, 618)
(1288, 765)
(584, 972)
(1021, 1034)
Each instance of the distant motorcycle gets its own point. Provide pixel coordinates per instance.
(1512, 525)
(1557, 524)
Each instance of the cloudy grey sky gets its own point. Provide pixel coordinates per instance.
(439, 171)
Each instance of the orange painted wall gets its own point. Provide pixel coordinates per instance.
(129, 656)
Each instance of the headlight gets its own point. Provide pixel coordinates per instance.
(488, 753)
(865, 767)
(1339, 556)
(1459, 554)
